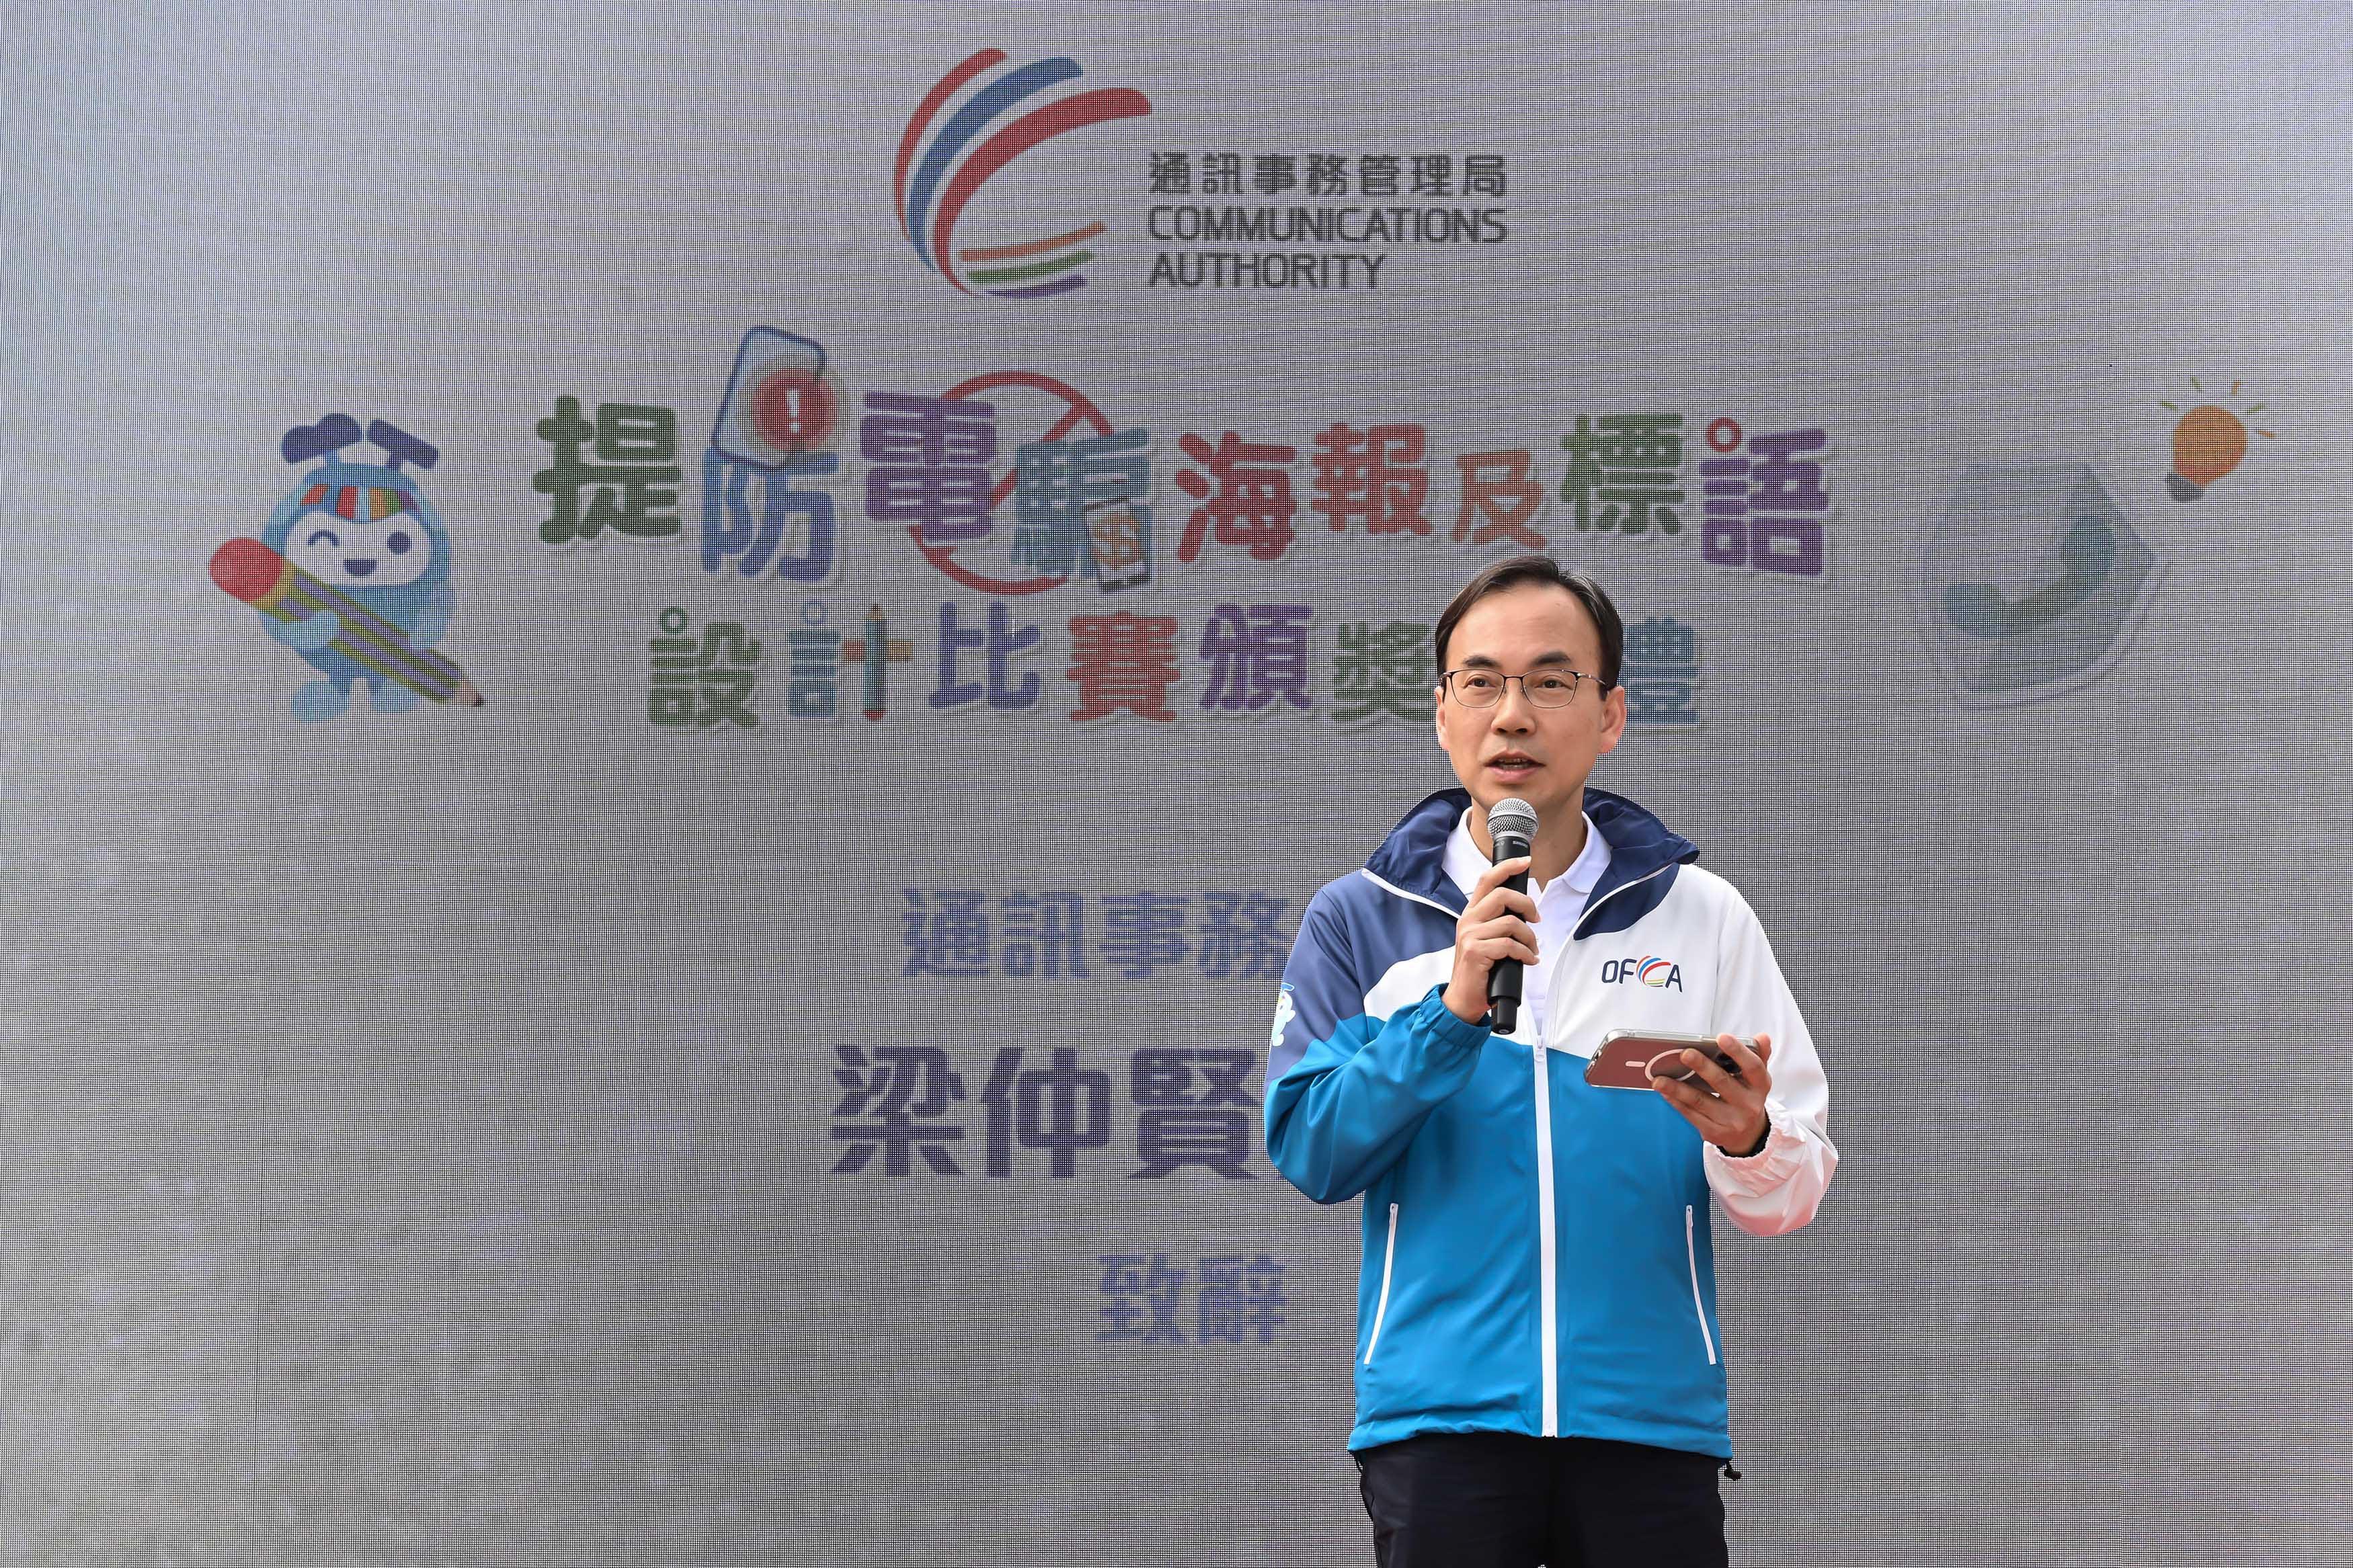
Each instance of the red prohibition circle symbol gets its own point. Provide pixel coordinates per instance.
(1078, 406)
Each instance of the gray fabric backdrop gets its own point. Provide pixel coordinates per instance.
(434, 1136)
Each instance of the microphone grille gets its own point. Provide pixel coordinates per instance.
(1514, 816)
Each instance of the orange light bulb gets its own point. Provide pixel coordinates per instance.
(2207, 444)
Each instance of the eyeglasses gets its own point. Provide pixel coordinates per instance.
(1544, 687)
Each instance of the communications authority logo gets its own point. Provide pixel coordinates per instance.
(946, 154)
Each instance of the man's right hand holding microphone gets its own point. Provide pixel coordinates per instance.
(1499, 922)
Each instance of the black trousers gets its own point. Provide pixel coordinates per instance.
(1499, 1500)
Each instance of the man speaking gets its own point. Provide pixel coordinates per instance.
(1539, 1372)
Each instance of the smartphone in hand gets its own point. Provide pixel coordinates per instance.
(1631, 1058)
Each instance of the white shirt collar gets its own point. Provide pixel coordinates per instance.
(1466, 865)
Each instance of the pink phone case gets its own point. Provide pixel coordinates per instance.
(1624, 1059)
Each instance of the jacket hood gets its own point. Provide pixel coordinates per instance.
(1412, 858)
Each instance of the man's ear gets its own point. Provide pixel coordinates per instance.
(1613, 719)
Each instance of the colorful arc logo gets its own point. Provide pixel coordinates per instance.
(930, 198)
(1653, 971)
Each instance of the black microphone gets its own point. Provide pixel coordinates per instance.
(1511, 829)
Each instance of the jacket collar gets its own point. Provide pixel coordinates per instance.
(1412, 858)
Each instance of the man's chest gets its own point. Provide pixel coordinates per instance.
(1641, 978)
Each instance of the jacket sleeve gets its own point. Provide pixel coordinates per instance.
(1777, 1189)
(1346, 1093)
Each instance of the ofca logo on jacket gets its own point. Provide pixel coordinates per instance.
(1658, 973)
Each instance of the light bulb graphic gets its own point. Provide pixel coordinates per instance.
(2208, 442)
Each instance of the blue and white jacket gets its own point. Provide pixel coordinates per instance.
(1536, 1251)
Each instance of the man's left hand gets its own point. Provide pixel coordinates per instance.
(1728, 1112)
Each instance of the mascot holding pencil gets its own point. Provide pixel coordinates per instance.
(353, 572)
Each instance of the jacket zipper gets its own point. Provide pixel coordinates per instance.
(1549, 1333)
(1388, 1262)
(1691, 1250)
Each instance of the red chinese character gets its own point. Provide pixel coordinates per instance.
(1507, 501)
(1123, 661)
(1252, 507)
(1375, 474)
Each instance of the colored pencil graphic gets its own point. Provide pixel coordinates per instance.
(249, 570)
(878, 650)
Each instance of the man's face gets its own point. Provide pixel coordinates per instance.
(1542, 755)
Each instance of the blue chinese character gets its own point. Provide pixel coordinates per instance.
(730, 527)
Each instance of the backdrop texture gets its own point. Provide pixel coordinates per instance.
(675, 674)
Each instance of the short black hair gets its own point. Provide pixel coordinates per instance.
(1499, 575)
